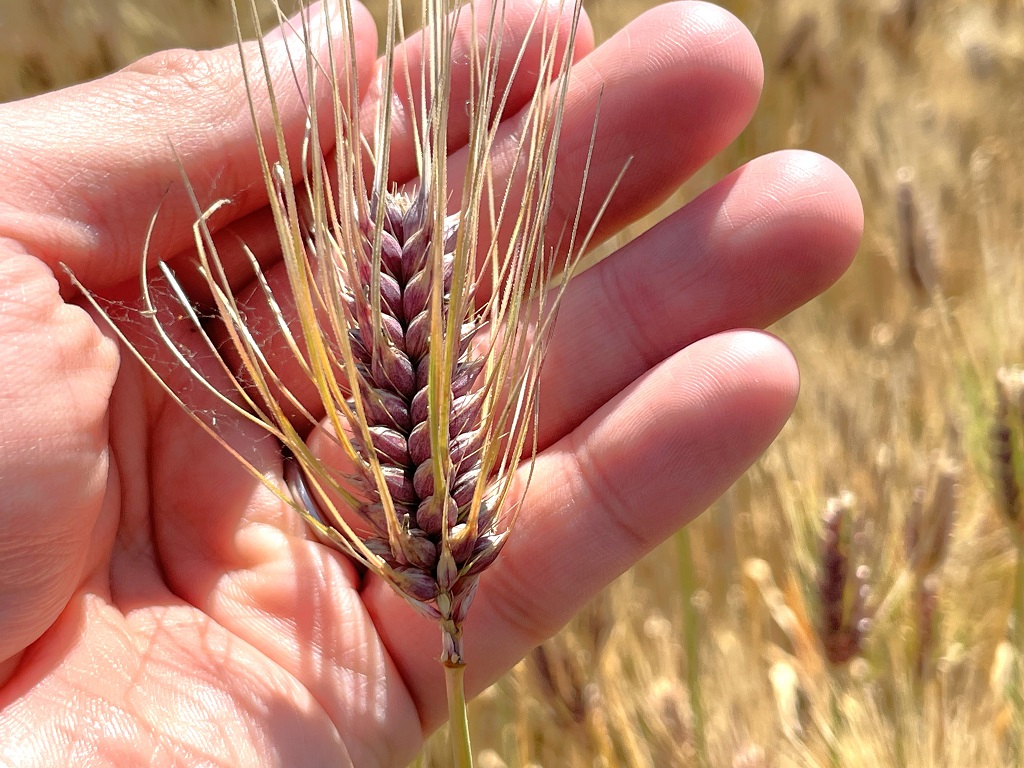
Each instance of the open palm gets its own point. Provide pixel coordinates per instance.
(158, 606)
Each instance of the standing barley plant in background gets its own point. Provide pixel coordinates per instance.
(421, 331)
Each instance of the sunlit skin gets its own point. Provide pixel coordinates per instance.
(159, 606)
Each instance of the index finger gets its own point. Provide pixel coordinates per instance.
(89, 167)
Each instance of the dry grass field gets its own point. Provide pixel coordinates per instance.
(906, 432)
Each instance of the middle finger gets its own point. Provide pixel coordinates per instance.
(693, 52)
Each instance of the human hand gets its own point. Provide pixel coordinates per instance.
(159, 606)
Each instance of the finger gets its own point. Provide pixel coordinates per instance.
(696, 53)
(524, 26)
(522, 29)
(519, 33)
(664, 95)
(758, 244)
(85, 193)
(56, 514)
(640, 467)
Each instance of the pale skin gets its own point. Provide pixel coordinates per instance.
(160, 607)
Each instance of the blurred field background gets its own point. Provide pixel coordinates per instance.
(881, 633)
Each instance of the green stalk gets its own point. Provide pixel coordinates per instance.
(691, 641)
(836, 722)
(1017, 640)
(458, 719)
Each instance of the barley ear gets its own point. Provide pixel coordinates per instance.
(1007, 458)
(427, 378)
(842, 593)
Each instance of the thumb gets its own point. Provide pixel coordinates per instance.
(56, 375)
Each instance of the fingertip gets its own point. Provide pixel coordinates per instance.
(585, 37)
(810, 174)
(747, 379)
(824, 210)
(532, 14)
(798, 211)
(766, 366)
(324, 25)
(844, 206)
(692, 65)
(720, 40)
